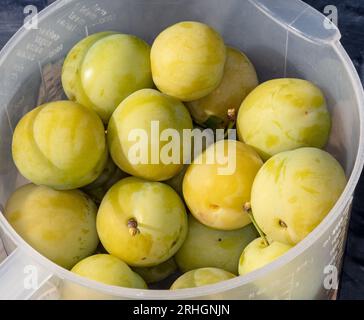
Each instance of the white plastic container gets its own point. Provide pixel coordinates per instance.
(284, 38)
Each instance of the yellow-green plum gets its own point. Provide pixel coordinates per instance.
(282, 115)
(109, 270)
(61, 225)
(157, 273)
(139, 135)
(218, 184)
(239, 79)
(294, 191)
(111, 174)
(143, 223)
(103, 69)
(61, 145)
(257, 254)
(188, 60)
(207, 247)
(71, 72)
(201, 277)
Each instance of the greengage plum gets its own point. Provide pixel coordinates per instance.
(61, 145)
(207, 247)
(257, 254)
(188, 60)
(217, 198)
(104, 68)
(294, 191)
(135, 135)
(109, 270)
(201, 277)
(143, 223)
(239, 79)
(282, 115)
(71, 72)
(61, 225)
(157, 273)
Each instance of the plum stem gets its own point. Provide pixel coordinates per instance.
(133, 227)
(231, 114)
(249, 212)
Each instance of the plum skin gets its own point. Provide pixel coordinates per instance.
(103, 69)
(294, 191)
(137, 112)
(61, 145)
(110, 175)
(109, 270)
(158, 272)
(160, 216)
(239, 79)
(61, 225)
(284, 114)
(187, 60)
(221, 207)
(71, 70)
(201, 277)
(257, 254)
(207, 247)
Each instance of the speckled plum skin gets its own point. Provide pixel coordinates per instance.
(61, 145)
(282, 115)
(294, 191)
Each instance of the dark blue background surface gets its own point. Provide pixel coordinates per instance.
(351, 24)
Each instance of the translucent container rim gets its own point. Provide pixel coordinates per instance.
(218, 288)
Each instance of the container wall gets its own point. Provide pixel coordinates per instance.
(276, 49)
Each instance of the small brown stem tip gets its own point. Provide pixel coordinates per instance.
(247, 207)
(231, 114)
(133, 227)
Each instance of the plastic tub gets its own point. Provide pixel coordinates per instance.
(282, 37)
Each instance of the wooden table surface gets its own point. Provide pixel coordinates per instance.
(351, 24)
